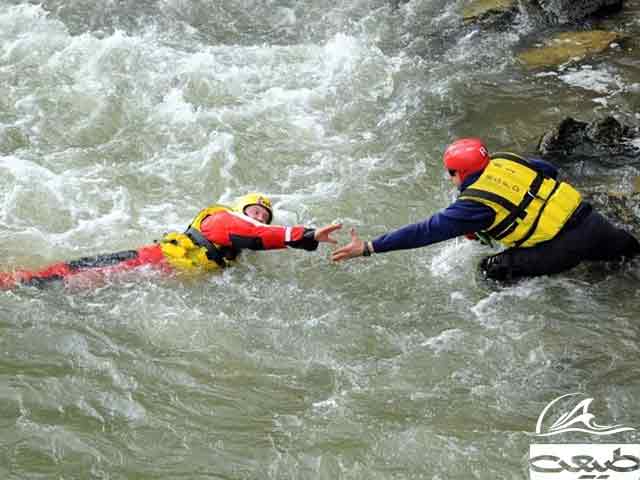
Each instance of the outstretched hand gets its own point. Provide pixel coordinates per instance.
(350, 250)
(323, 234)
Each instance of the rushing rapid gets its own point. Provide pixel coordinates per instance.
(119, 121)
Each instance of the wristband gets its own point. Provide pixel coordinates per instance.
(366, 252)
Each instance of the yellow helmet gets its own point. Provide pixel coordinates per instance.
(254, 199)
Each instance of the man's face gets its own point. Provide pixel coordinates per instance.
(455, 178)
(258, 213)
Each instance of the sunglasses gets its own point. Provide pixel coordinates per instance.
(452, 173)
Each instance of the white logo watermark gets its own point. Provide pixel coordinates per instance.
(584, 461)
(570, 421)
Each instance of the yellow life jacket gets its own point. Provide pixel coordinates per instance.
(530, 208)
(190, 250)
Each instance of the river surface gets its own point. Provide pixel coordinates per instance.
(119, 120)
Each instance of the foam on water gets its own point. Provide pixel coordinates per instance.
(445, 341)
(452, 260)
(88, 59)
(505, 309)
(597, 80)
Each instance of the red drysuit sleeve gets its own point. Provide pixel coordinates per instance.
(239, 231)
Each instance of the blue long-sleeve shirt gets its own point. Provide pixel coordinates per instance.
(462, 216)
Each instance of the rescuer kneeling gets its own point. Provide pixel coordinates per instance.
(544, 223)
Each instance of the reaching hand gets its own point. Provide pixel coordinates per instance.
(323, 234)
(353, 249)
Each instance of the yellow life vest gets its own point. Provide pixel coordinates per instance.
(530, 208)
(190, 250)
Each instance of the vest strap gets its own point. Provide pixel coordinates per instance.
(492, 197)
(501, 230)
(534, 225)
(513, 157)
(508, 224)
(213, 253)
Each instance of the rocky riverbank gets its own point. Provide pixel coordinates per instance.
(569, 32)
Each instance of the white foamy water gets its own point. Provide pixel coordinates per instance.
(599, 81)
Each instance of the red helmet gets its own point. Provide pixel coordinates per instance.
(466, 156)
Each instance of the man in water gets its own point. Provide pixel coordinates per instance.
(213, 241)
(544, 223)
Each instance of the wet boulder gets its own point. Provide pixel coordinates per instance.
(500, 13)
(568, 46)
(605, 140)
(490, 13)
(571, 11)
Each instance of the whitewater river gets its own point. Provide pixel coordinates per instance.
(119, 120)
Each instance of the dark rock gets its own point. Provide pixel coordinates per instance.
(608, 131)
(500, 14)
(563, 139)
(605, 140)
(571, 11)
